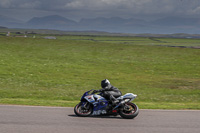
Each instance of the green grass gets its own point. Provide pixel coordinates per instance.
(57, 72)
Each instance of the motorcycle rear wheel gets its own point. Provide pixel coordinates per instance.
(79, 110)
(129, 111)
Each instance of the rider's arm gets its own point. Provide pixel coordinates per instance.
(100, 90)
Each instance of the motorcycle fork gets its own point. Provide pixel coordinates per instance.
(87, 105)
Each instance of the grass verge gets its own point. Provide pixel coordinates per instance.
(36, 71)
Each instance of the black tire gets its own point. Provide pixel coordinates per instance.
(129, 113)
(83, 112)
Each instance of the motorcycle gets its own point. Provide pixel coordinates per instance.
(96, 105)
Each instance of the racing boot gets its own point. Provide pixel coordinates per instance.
(113, 100)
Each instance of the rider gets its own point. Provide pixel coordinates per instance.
(110, 92)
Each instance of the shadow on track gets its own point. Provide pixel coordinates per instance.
(101, 117)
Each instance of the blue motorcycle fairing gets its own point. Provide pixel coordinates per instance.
(99, 103)
(85, 94)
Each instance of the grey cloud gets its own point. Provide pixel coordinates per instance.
(32, 5)
(5, 3)
(106, 8)
(132, 7)
(19, 4)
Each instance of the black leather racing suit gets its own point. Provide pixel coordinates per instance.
(110, 92)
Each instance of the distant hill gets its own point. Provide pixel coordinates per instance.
(53, 21)
(9, 22)
(1, 27)
(132, 25)
(177, 21)
(5, 19)
(165, 25)
(113, 24)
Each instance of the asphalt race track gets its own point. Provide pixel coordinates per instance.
(29, 119)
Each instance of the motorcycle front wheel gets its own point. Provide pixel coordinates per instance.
(129, 111)
(83, 109)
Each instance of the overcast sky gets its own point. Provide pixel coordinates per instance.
(77, 9)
